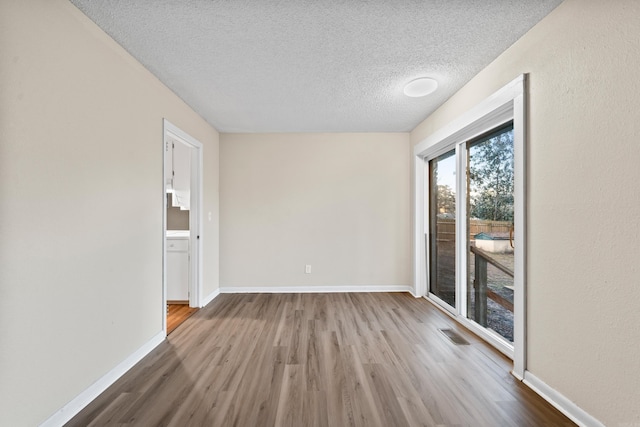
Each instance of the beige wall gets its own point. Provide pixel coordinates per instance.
(80, 133)
(339, 202)
(584, 198)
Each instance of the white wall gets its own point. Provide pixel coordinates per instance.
(80, 133)
(339, 202)
(584, 199)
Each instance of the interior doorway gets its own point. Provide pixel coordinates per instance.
(182, 226)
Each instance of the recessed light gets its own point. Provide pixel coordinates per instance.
(420, 87)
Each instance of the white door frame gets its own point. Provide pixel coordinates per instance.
(506, 104)
(170, 131)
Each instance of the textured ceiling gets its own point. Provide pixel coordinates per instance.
(314, 65)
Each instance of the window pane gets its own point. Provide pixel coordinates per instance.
(442, 245)
(491, 245)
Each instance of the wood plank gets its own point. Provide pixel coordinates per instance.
(177, 314)
(491, 260)
(500, 300)
(319, 360)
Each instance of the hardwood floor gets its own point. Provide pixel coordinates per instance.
(319, 360)
(177, 314)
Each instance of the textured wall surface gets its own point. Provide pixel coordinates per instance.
(583, 202)
(339, 202)
(80, 133)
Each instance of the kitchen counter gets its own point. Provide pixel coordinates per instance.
(177, 234)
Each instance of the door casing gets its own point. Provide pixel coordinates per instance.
(170, 131)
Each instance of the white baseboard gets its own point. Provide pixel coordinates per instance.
(560, 402)
(210, 297)
(312, 289)
(69, 410)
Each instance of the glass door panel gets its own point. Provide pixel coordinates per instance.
(442, 223)
(490, 187)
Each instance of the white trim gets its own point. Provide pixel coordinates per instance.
(196, 223)
(491, 108)
(68, 411)
(506, 104)
(164, 229)
(560, 402)
(206, 300)
(420, 249)
(461, 231)
(313, 289)
(520, 230)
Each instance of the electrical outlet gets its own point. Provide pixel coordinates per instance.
(307, 269)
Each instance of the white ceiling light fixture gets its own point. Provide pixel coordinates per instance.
(422, 86)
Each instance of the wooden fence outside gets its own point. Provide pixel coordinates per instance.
(447, 226)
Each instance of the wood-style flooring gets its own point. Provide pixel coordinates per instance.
(374, 359)
(177, 314)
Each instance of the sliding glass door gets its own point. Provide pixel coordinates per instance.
(470, 220)
(470, 240)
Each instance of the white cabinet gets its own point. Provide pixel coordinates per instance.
(177, 165)
(177, 268)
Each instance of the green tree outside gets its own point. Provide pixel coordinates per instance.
(491, 178)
